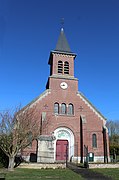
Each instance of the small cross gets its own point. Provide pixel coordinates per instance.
(81, 108)
(45, 106)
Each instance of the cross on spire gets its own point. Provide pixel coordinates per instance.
(62, 43)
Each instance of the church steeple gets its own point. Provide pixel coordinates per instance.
(61, 61)
(62, 43)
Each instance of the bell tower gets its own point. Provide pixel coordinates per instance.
(61, 61)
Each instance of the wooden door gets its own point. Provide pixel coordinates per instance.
(61, 150)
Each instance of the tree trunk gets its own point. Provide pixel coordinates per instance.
(11, 163)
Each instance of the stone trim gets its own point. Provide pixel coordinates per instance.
(92, 165)
(91, 107)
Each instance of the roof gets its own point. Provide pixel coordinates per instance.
(40, 97)
(87, 102)
(62, 47)
(91, 106)
(62, 43)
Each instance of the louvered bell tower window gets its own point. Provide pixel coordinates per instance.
(66, 67)
(60, 67)
(63, 67)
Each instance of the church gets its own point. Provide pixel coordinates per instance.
(72, 128)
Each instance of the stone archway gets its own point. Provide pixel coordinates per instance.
(64, 135)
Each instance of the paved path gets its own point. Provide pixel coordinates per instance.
(88, 174)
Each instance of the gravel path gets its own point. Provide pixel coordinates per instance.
(88, 174)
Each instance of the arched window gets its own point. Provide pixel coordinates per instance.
(94, 141)
(63, 108)
(56, 108)
(70, 109)
(60, 67)
(66, 67)
(30, 138)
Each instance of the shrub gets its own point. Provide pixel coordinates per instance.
(3, 159)
(116, 147)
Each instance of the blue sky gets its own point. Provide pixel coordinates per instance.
(29, 30)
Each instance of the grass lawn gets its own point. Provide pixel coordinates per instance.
(50, 174)
(42, 174)
(111, 172)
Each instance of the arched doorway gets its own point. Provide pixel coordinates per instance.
(64, 144)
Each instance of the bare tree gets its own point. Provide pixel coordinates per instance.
(113, 127)
(17, 130)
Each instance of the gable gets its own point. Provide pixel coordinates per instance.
(89, 104)
(39, 98)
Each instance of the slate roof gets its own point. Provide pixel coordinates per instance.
(62, 43)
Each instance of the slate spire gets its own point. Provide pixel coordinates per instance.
(62, 43)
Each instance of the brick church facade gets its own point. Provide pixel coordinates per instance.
(72, 127)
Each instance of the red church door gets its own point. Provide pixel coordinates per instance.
(61, 150)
